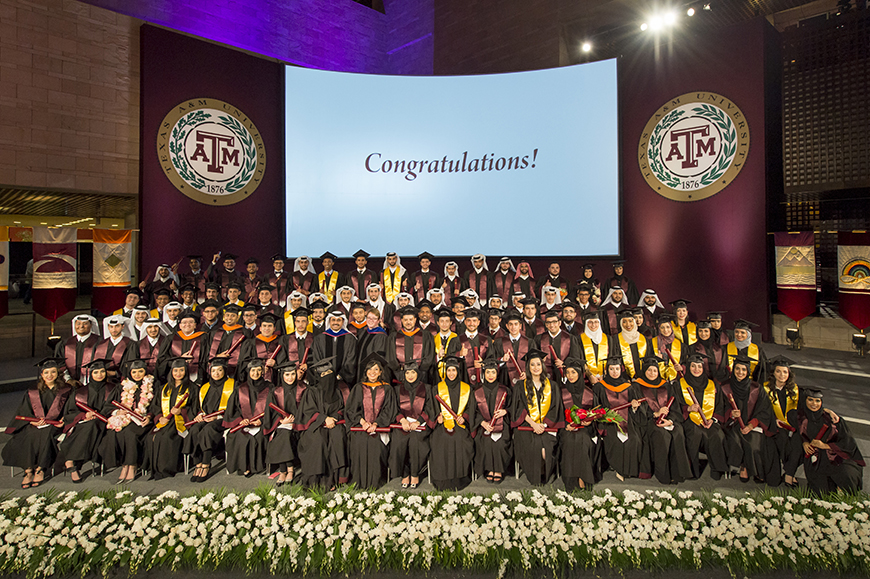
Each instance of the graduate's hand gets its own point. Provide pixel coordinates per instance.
(594, 379)
(257, 422)
(301, 368)
(478, 363)
(329, 422)
(735, 414)
(678, 367)
(40, 423)
(746, 430)
(666, 423)
(635, 404)
(660, 412)
(270, 362)
(89, 416)
(571, 428)
(547, 283)
(506, 357)
(172, 285)
(175, 411)
(460, 421)
(538, 428)
(142, 285)
(500, 413)
(819, 444)
(808, 449)
(585, 423)
(834, 418)
(288, 420)
(441, 352)
(558, 363)
(486, 426)
(695, 408)
(371, 427)
(199, 417)
(440, 419)
(706, 423)
(164, 420)
(215, 258)
(406, 426)
(364, 423)
(522, 376)
(188, 356)
(463, 352)
(244, 422)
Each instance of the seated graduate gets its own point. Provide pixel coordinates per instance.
(743, 344)
(715, 363)
(832, 460)
(579, 444)
(493, 450)
(410, 344)
(265, 344)
(782, 391)
(246, 447)
(122, 442)
(622, 442)
(409, 446)
(664, 441)
(750, 429)
(537, 416)
(281, 412)
(703, 410)
(338, 342)
(171, 409)
(666, 346)
(370, 410)
(82, 427)
(629, 344)
(323, 443)
(374, 339)
(683, 327)
(452, 413)
(33, 446)
(207, 408)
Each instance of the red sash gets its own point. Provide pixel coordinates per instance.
(56, 406)
(405, 402)
(612, 325)
(618, 399)
(420, 290)
(69, 354)
(562, 353)
(279, 282)
(344, 389)
(371, 408)
(265, 351)
(149, 353)
(417, 350)
(354, 282)
(503, 284)
(301, 282)
(474, 278)
(465, 342)
(245, 402)
(175, 348)
(293, 353)
(522, 350)
(117, 354)
(453, 289)
(215, 349)
(480, 397)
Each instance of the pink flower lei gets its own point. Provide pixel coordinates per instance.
(117, 420)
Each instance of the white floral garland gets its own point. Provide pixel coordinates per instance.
(118, 419)
(298, 532)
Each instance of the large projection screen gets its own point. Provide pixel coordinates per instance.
(522, 164)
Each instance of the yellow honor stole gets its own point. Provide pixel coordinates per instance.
(666, 367)
(540, 408)
(392, 288)
(751, 351)
(329, 290)
(627, 358)
(690, 327)
(444, 393)
(166, 408)
(595, 364)
(791, 402)
(438, 345)
(707, 406)
(229, 386)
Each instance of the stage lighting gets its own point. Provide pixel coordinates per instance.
(690, 12)
(707, 7)
(670, 18)
(586, 47)
(793, 337)
(643, 27)
(655, 23)
(859, 342)
(53, 341)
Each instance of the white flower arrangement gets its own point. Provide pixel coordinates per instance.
(351, 531)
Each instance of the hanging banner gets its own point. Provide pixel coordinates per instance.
(113, 260)
(796, 274)
(4, 270)
(853, 260)
(54, 271)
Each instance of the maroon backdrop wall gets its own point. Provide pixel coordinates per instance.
(176, 68)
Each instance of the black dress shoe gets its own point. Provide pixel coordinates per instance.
(715, 475)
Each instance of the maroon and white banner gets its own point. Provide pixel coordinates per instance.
(54, 271)
(796, 274)
(853, 260)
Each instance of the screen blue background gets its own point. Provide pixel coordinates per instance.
(568, 204)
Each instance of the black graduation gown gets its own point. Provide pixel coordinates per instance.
(756, 450)
(246, 448)
(369, 453)
(580, 449)
(527, 444)
(664, 449)
(30, 446)
(409, 451)
(492, 455)
(206, 438)
(83, 437)
(788, 444)
(451, 453)
(628, 286)
(367, 343)
(623, 457)
(322, 451)
(841, 467)
(163, 446)
(343, 347)
(711, 439)
(283, 440)
(122, 448)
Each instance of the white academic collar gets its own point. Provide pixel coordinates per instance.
(477, 271)
(470, 335)
(128, 310)
(517, 339)
(554, 335)
(116, 341)
(529, 321)
(266, 305)
(424, 271)
(83, 338)
(192, 272)
(444, 336)
(392, 268)
(253, 327)
(151, 340)
(301, 336)
(279, 272)
(451, 277)
(523, 276)
(361, 271)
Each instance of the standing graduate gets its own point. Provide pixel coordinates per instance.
(409, 446)
(336, 341)
(125, 433)
(452, 283)
(503, 279)
(361, 277)
(630, 345)
(423, 280)
(594, 285)
(375, 339)
(246, 447)
(280, 280)
(750, 447)
(266, 344)
(579, 444)
(493, 449)
(82, 428)
(33, 446)
(664, 441)
(622, 442)
(304, 279)
(329, 280)
(170, 407)
(667, 348)
(594, 347)
(743, 344)
(188, 343)
(620, 279)
(323, 443)
(537, 415)
(370, 410)
(782, 391)
(282, 435)
(613, 304)
(651, 307)
(207, 434)
(832, 459)
(715, 364)
(558, 342)
(79, 348)
(702, 431)
(451, 419)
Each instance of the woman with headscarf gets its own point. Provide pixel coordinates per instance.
(451, 419)
(580, 464)
(246, 447)
(664, 441)
(701, 401)
(207, 433)
(125, 433)
(782, 391)
(713, 355)
(537, 416)
(630, 345)
(282, 436)
(594, 346)
(171, 409)
(749, 447)
(667, 348)
(743, 344)
(33, 445)
(82, 428)
(622, 442)
(409, 446)
(371, 408)
(588, 277)
(493, 450)
(832, 460)
(322, 445)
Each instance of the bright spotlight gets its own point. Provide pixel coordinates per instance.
(655, 23)
(644, 26)
(586, 47)
(690, 12)
(707, 7)
(670, 18)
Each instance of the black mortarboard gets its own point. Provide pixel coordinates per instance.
(696, 357)
(616, 262)
(568, 304)
(209, 304)
(591, 316)
(235, 285)
(356, 305)
(715, 315)
(99, 364)
(614, 360)
(252, 260)
(361, 253)
(254, 362)
(576, 363)
(814, 392)
(454, 361)
(495, 312)
(213, 286)
(741, 324)
(529, 301)
(279, 257)
(665, 319)
(490, 364)
(588, 266)
(232, 256)
(50, 362)
(195, 256)
(743, 359)
(264, 287)
(780, 361)
(318, 305)
(584, 287)
(407, 311)
(135, 364)
(425, 304)
(625, 313)
(328, 255)
(232, 309)
(132, 290)
(512, 314)
(680, 303)
(426, 255)
(552, 313)
(322, 364)
(268, 317)
(187, 288)
(301, 312)
(162, 292)
(374, 357)
(532, 354)
(703, 325)
(472, 313)
(249, 308)
(443, 313)
(178, 362)
(288, 365)
(411, 365)
(219, 361)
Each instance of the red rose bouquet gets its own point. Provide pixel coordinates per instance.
(575, 416)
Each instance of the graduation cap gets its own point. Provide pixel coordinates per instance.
(318, 305)
(614, 361)
(617, 262)
(213, 286)
(512, 315)
(780, 361)
(715, 315)
(252, 260)
(279, 257)
(268, 318)
(358, 305)
(473, 313)
(568, 304)
(814, 392)
(532, 354)
(99, 364)
(591, 316)
(195, 256)
(231, 256)
(178, 362)
(264, 287)
(495, 312)
(665, 319)
(411, 366)
(328, 255)
(648, 361)
(132, 291)
(289, 365)
(576, 363)
(235, 285)
(529, 301)
(210, 304)
(50, 362)
(551, 314)
(324, 364)
(232, 309)
(219, 361)
(424, 303)
(249, 308)
(256, 363)
(426, 255)
(162, 292)
(680, 303)
(361, 253)
(135, 364)
(741, 324)
(698, 357)
(586, 266)
(625, 313)
(374, 358)
(301, 312)
(703, 325)
(407, 311)
(454, 361)
(490, 364)
(443, 313)
(189, 314)
(187, 288)
(743, 359)
(584, 287)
